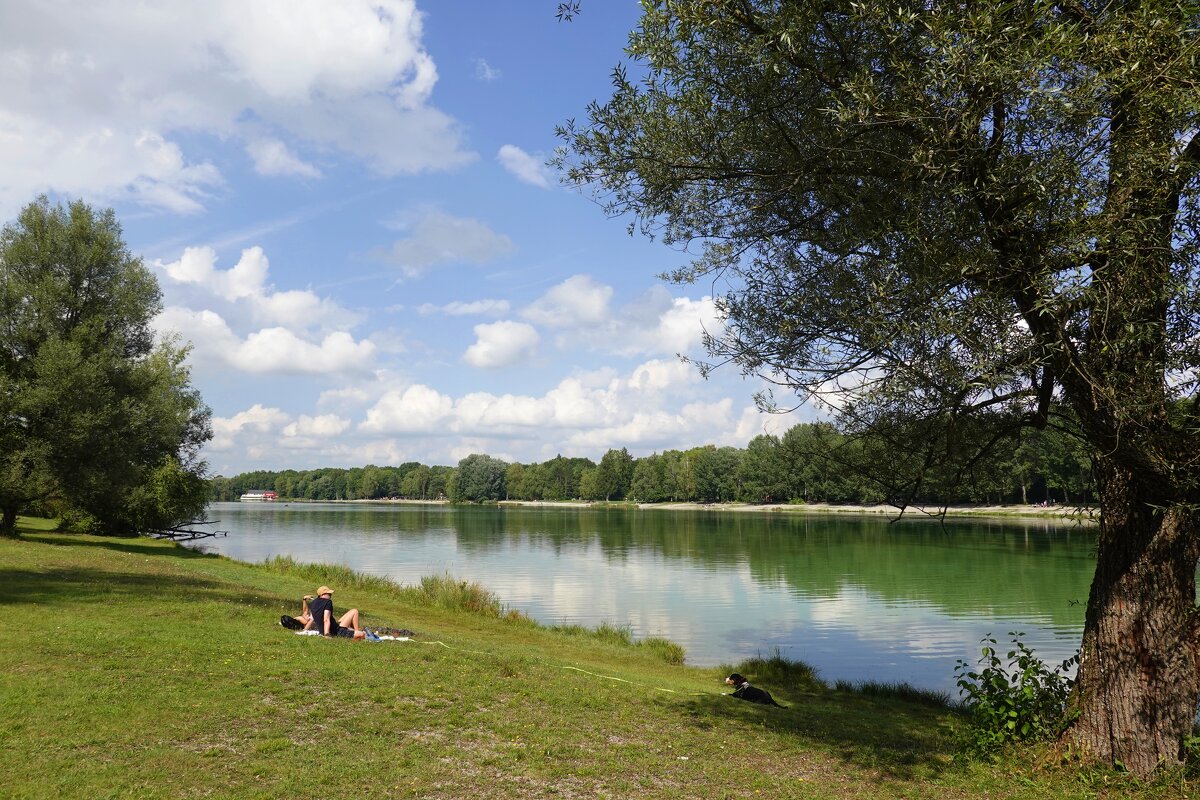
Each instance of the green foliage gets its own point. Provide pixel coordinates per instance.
(589, 485)
(650, 483)
(614, 474)
(1023, 700)
(812, 462)
(762, 471)
(717, 473)
(952, 221)
(480, 477)
(91, 409)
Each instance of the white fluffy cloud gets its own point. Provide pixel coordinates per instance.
(96, 94)
(678, 329)
(577, 301)
(257, 418)
(280, 350)
(270, 350)
(245, 283)
(499, 344)
(587, 401)
(321, 427)
(272, 157)
(261, 431)
(440, 238)
(655, 406)
(417, 409)
(660, 375)
(655, 323)
(528, 168)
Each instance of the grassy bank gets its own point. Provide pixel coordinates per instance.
(135, 668)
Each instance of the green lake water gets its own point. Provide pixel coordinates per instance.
(857, 597)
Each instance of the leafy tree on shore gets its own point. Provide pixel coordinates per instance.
(717, 471)
(964, 214)
(480, 477)
(589, 485)
(95, 418)
(416, 483)
(650, 480)
(763, 473)
(614, 474)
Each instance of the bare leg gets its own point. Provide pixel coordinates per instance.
(350, 620)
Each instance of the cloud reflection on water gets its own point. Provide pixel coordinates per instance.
(856, 598)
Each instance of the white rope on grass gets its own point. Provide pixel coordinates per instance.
(585, 672)
(623, 680)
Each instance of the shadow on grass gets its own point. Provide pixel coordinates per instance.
(139, 546)
(902, 739)
(49, 586)
(900, 743)
(98, 584)
(53, 586)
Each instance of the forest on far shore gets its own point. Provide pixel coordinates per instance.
(810, 463)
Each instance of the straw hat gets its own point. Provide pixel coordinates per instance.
(324, 590)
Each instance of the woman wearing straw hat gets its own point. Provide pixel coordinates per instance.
(324, 621)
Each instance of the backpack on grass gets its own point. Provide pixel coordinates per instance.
(291, 623)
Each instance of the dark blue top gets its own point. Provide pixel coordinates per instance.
(318, 608)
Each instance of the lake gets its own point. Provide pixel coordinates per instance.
(857, 597)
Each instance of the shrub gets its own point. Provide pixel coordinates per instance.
(778, 672)
(1024, 700)
(664, 649)
(447, 592)
(614, 634)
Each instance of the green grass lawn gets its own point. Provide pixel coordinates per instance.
(137, 668)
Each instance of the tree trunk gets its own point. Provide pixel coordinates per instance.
(8, 521)
(1138, 680)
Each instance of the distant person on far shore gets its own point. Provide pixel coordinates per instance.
(324, 622)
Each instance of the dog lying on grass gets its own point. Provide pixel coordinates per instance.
(744, 691)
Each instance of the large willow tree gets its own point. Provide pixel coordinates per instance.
(95, 417)
(975, 214)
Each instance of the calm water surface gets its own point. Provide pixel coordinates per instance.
(856, 597)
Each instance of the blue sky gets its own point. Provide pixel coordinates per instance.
(347, 207)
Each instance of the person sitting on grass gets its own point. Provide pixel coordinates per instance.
(324, 622)
(305, 615)
(300, 621)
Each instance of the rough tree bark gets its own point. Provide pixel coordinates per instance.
(8, 521)
(1138, 678)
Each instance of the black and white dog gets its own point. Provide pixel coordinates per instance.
(744, 691)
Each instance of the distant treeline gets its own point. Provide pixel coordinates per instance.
(812, 462)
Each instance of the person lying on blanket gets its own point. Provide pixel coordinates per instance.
(324, 622)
